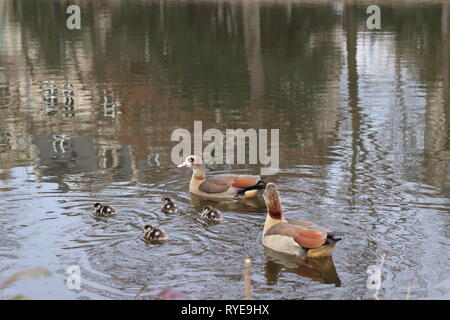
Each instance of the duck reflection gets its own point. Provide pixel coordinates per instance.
(317, 269)
(239, 205)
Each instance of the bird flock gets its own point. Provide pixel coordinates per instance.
(297, 237)
(156, 233)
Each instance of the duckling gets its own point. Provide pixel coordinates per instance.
(154, 233)
(210, 213)
(169, 206)
(103, 211)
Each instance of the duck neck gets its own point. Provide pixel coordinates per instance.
(198, 172)
(272, 219)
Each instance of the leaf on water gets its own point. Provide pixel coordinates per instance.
(35, 272)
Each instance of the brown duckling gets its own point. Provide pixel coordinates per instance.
(154, 233)
(169, 206)
(104, 210)
(212, 214)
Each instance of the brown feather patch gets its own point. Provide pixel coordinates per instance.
(309, 225)
(246, 181)
(309, 243)
(209, 186)
(310, 238)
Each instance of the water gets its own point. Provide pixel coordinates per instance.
(364, 143)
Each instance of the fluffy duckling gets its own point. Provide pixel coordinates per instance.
(169, 206)
(212, 214)
(103, 210)
(154, 233)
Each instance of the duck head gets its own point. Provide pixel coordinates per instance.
(97, 206)
(148, 229)
(273, 201)
(196, 163)
(166, 200)
(192, 161)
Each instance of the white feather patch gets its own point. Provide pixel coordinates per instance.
(283, 243)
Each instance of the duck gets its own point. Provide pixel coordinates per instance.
(212, 214)
(300, 237)
(222, 186)
(169, 206)
(104, 210)
(152, 233)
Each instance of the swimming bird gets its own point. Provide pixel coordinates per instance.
(299, 237)
(212, 214)
(223, 186)
(154, 233)
(169, 206)
(104, 210)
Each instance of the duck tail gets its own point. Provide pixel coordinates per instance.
(332, 237)
(260, 185)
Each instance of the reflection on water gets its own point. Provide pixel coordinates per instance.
(87, 116)
(317, 269)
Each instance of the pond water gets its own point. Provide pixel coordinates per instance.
(364, 144)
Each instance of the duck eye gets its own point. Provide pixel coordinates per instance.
(191, 159)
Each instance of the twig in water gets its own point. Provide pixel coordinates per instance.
(247, 281)
(383, 257)
(409, 289)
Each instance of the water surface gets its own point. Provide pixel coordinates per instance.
(364, 143)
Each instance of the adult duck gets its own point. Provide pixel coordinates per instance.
(299, 237)
(222, 186)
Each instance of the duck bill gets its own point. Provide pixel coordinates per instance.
(182, 165)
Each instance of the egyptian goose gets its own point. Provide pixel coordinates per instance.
(154, 233)
(299, 237)
(103, 210)
(169, 206)
(212, 214)
(223, 186)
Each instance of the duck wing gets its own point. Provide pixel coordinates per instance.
(309, 225)
(210, 186)
(308, 238)
(223, 182)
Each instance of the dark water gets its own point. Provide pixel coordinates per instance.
(364, 144)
